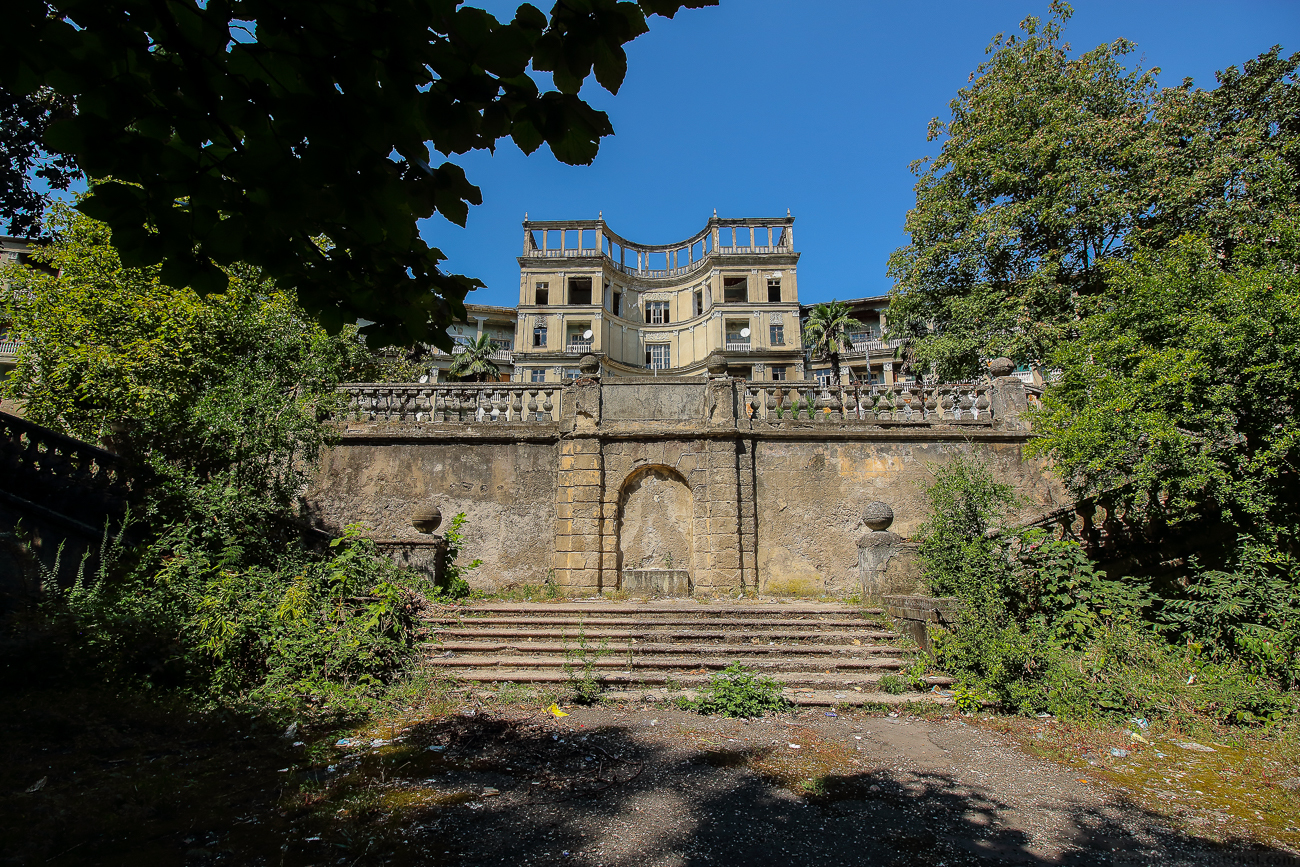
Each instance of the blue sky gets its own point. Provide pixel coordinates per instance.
(818, 106)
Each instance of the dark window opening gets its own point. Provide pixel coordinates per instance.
(699, 302)
(543, 294)
(734, 290)
(774, 291)
(777, 334)
(580, 290)
(778, 372)
(616, 304)
(539, 335)
(657, 312)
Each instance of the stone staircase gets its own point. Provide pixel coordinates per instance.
(821, 654)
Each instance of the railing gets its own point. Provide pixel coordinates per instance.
(9, 347)
(66, 474)
(497, 354)
(739, 347)
(454, 403)
(578, 347)
(1025, 376)
(862, 347)
(779, 402)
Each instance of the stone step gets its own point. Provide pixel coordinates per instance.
(664, 636)
(638, 677)
(605, 622)
(804, 698)
(689, 607)
(645, 649)
(618, 662)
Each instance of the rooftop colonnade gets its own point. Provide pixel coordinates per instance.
(658, 309)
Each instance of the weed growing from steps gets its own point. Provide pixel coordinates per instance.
(580, 667)
(736, 691)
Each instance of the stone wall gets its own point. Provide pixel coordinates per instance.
(711, 476)
(506, 488)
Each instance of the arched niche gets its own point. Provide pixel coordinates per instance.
(655, 519)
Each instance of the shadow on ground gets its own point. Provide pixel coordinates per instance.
(133, 781)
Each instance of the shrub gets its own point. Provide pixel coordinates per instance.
(737, 691)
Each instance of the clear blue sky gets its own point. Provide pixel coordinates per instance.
(818, 106)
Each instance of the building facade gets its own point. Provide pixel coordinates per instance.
(658, 309)
(498, 323)
(872, 360)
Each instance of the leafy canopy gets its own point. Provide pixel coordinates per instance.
(23, 158)
(1053, 166)
(300, 137)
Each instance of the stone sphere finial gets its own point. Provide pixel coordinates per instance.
(426, 520)
(1001, 367)
(716, 364)
(878, 515)
(589, 365)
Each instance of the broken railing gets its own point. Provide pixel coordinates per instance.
(902, 402)
(454, 403)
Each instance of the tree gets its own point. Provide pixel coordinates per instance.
(1178, 398)
(827, 332)
(1037, 183)
(473, 361)
(1054, 166)
(298, 136)
(220, 399)
(24, 159)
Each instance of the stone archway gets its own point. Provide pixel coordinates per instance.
(656, 514)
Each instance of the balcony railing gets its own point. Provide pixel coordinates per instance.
(578, 347)
(501, 353)
(9, 347)
(736, 346)
(874, 344)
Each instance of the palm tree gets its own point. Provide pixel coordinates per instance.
(473, 361)
(827, 332)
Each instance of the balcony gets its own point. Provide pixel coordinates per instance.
(739, 346)
(874, 344)
(500, 353)
(577, 347)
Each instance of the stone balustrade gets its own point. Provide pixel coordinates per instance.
(915, 403)
(454, 403)
(71, 478)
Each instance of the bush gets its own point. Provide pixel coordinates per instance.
(738, 692)
(1042, 629)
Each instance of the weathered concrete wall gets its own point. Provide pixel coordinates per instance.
(634, 475)
(810, 496)
(506, 490)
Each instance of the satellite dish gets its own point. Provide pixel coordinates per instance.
(586, 335)
(424, 378)
(744, 332)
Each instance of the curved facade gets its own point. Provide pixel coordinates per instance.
(658, 309)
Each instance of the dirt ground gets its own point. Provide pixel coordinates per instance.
(504, 783)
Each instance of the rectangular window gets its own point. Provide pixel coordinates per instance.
(737, 331)
(734, 290)
(538, 374)
(777, 334)
(539, 335)
(823, 378)
(778, 372)
(774, 290)
(616, 303)
(543, 294)
(656, 356)
(580, 290)
(656, 312)
(572, 373)
(699, 302)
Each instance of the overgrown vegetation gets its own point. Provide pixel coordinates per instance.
(221, 404)
(580, 663)
(736, 691)
(1043, 630)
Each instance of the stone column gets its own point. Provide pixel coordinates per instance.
(1007, 398)
(579, 510)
